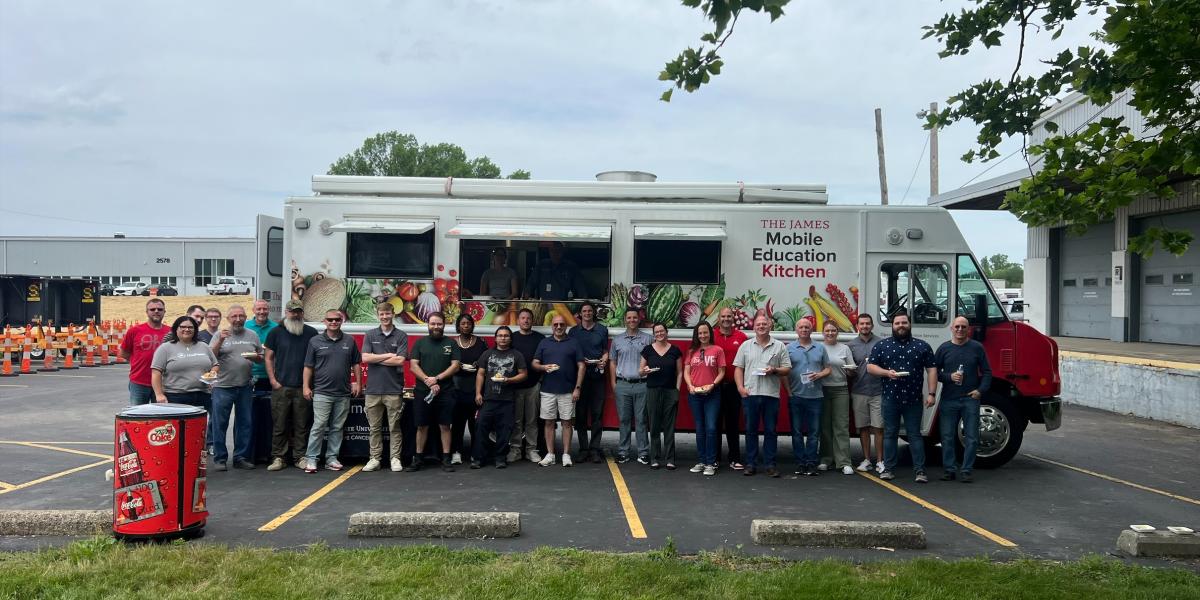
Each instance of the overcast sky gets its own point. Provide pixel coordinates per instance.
(153, 118)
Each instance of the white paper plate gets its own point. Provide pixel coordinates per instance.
(1142, 528)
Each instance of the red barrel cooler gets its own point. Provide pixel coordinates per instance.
(159, 481)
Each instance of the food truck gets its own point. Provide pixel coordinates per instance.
(676, 252)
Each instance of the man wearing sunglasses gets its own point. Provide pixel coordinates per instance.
(963, 369)
(138, 346)
(331, 355)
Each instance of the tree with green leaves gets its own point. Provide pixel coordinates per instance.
(1146, 53)
(395, 154)
(998, 266)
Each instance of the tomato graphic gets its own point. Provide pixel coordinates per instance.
(452, 287)
(475, 309)
(439, 285)
(407, 291)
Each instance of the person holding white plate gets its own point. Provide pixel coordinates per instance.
(758, 367)
(904, 363)
(703, 371)
(835, 409)
(810, 364)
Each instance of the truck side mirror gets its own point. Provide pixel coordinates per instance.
(980, 319)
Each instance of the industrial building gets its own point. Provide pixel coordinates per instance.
(187, 264)
(1092, 286)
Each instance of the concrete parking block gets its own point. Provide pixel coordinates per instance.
(473, 525)
(837, 534)
(1159, 543)
(55, 522)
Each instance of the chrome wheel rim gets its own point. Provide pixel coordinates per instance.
(994, 431)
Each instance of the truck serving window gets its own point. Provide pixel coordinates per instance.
(923, 289)
(408, 255)
(677, 261)
(971, 283)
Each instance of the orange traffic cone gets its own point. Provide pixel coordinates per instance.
(69, 362)
(89, 357)
(48, 355)
(26, 350)
(6, 369)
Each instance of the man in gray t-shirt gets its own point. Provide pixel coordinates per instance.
(385, 349)
(327, 365)
(236, 349)
(866, 393)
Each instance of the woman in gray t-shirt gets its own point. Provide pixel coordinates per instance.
(177, 366)
(835, 410)
(499, 281)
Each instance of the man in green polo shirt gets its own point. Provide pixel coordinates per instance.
(434, 359)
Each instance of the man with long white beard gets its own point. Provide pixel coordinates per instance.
(236, 349)
(284, 358)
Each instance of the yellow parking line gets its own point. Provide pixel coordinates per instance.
(106, 461)
(977, 530)
(274, 524)
(67, 450)
(631, 514)
(6, 486)
(1115, 480)
(12, 385)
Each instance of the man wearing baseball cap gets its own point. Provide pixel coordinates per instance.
(284, 353)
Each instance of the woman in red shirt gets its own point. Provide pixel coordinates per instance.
(703, 372)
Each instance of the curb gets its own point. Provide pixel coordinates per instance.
(1159, 543)
(475, 525)
(837, 534)
(55, 522)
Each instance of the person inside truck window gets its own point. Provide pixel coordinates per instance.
(556, 278)
(499, 281)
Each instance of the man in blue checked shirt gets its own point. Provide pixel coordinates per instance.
(906, 365)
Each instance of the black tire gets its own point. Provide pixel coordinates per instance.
(1001, 430)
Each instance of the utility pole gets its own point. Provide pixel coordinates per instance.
(933, 154)
(883, 194)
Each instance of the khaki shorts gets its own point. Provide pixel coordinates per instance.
(868, 410)
(557, 407)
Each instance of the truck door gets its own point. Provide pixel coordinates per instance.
(919, 284)
(268, 279)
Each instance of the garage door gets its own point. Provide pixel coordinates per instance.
(1170, 298)
(1085, 293)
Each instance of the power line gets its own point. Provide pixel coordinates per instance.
(920, 158)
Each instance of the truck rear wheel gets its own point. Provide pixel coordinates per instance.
(1001, 430)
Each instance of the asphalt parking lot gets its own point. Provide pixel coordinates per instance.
(1069, 492)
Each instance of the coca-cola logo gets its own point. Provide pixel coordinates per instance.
(161, 436)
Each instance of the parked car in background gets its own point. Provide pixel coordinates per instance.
(227, 286)
(160, 289)
(130, 288)
(106, 289)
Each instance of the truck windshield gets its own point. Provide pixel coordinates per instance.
(970, 283)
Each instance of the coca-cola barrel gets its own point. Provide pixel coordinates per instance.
(160, 472)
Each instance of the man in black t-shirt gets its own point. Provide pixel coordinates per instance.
(526, 399)
(498, 370)
(283, 356)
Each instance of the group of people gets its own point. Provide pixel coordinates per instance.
(499, 393)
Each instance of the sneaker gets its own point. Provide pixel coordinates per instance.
(671, 466)
(772, 472)
(397, 466)
(879, 468)
(276, 465)
(798, 471)
(748, 471)
(846, 470)
(448, 463)
(642, 460)
(622, 459)
(567, 460)
(736, 466)
(302, 463)
(372, 465)
(310, 466)
(947, 476)
(710, 470)
(502, 464)
(533, 456)
(333, 465)
(887, 476)
(514, 454)
(864, 466)
(547, 460)
(654, 465)
(241, 463)
(597, 456)
(415, 465)
(475, 464)
(966, 477)
(456, 458)
(823, 467)
(921, 478)
(697, 468)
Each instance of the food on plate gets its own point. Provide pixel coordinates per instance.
(550, 368)
(469, 367)
(249, 354)
(498, 377)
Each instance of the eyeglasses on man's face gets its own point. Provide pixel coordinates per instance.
(333, 320)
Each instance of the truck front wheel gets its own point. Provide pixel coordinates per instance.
(1001, 429)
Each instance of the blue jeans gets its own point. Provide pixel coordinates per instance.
(911, 410)
(631, 404)
(140, 394)
(705, 408)
(950, 411)
(225, 400)
(806, 418)
(762, 413)
(329, 415)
